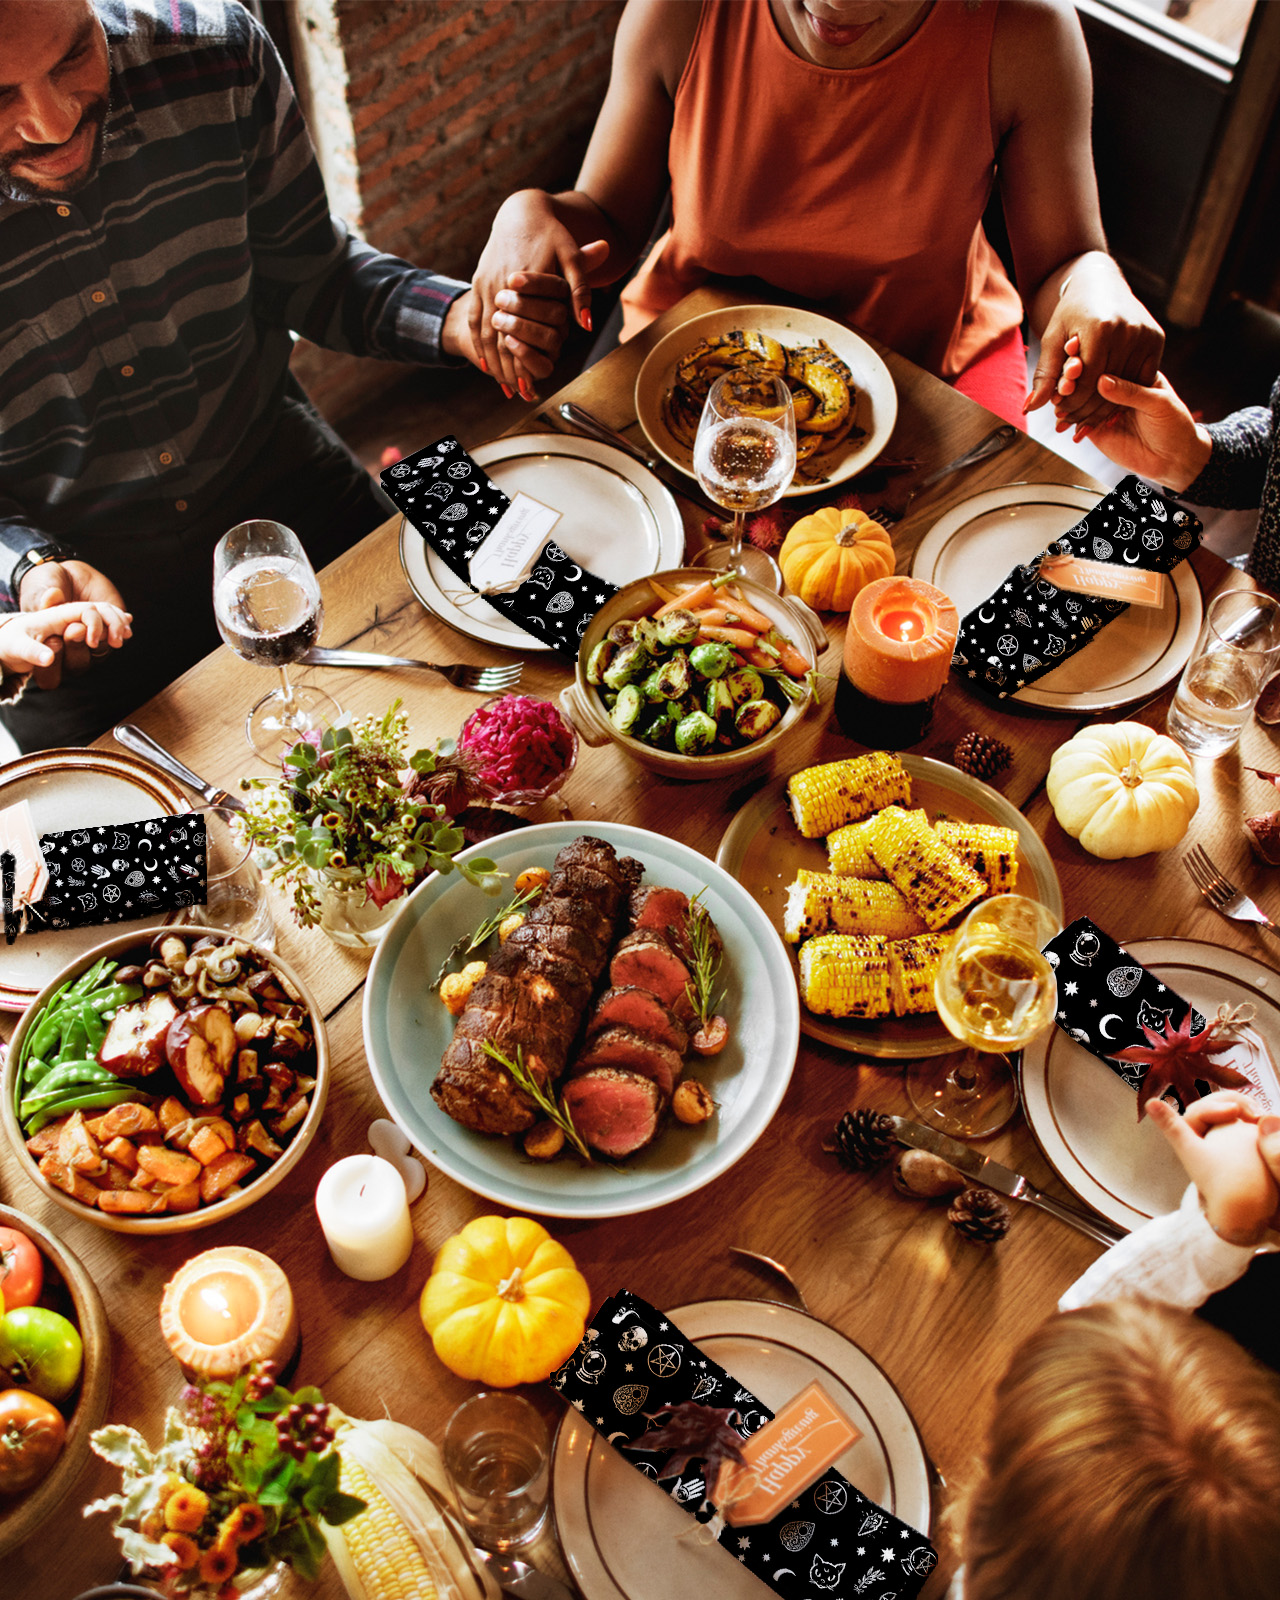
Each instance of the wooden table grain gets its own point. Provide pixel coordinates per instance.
(939, 1314)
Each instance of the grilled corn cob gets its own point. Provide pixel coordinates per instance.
(826, 797)
(913, 965)
(822, 902)
(933, 879)
(991, 851)
(849, 848)
(846, 975)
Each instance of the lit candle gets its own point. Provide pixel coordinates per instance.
(228, 1307)
(897, 654)
(364, 1213)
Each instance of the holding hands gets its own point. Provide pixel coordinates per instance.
(35, 640)
(1230, 1150)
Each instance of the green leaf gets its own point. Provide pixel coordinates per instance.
(341, 1508)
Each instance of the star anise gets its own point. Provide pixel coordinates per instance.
(692, 1432)
(1176, 1058)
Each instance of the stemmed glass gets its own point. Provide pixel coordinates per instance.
(744, 457)
(266, 598)
(994, 991)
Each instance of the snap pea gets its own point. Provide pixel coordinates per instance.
(84, 1100)
(34, 1070)
(119, 994)
(86, 1078)
(75, 1037)
(88, 981)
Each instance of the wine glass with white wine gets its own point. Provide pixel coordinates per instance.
(744, 457)
(266, 598)
(995, 991)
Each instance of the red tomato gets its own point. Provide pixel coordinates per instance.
(31, 1436)
(21, 1269)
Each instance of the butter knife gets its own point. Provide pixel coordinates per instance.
(142, 744)
(518, 1577)
(982, 1169)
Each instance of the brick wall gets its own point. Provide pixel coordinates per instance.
(450, 105)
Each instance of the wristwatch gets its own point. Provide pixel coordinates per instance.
(47, 550)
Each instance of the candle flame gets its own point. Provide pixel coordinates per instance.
(216, 1302)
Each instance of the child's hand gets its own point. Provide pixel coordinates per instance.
(1217, 1142)
(34, 639)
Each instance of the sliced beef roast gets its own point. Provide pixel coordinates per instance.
(624, 1047)
(616, 1112)
(647, 961)
(631, 1007)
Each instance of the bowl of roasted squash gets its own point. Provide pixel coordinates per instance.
(160, 1083)
(695, 674)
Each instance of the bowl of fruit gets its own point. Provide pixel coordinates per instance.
(695, 674)
(160, 1084)
(55, 1373)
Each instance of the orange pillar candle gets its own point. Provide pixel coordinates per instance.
(897, 654)
(225, 1308)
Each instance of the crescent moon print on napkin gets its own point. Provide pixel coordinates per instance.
(115, 873)
(624, 1370)
(1029, 625)
(455, 506)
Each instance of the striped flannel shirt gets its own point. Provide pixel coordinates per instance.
(145, 320)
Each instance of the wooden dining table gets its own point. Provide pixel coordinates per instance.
(939, 1314)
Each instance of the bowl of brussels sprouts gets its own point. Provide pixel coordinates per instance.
(695, 673)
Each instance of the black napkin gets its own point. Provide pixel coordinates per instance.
(455, 507)
(634, 1360)
(1029, 625)
(113, 873)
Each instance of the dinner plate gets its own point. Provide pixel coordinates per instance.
(623, 1539)
(616, 519)
(875, 398)
(1084, 1117)
(407, 1030)
(763, 850)
(71, 789)
(977, 542)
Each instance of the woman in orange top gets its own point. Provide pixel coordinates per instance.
(843, 152)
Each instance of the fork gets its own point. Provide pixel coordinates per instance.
(1221, 893)
(484, 680)
(998, 439)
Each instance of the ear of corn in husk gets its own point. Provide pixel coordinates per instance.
(822, 902)
(828, 796)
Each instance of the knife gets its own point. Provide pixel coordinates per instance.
(982, 1169)
(585, 422)
(142, 744)
(518, 1577)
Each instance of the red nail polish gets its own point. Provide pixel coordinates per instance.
(484, 366)
(584, 316)
(510, 393)
(526, 392)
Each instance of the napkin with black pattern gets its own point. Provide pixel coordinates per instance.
(1029, 626)
(455, 506)
(633, 1359)
(116, 872)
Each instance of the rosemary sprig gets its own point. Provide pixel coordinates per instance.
(554, 1110)
(472, 941)
(703, 995)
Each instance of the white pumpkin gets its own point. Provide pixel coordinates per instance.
(1122, 789)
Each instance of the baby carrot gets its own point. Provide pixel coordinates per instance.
(749, 614)
(690, 599)
(740, 638)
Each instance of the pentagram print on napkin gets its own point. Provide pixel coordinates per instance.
(117, 872)
(831, 1539)
(1029, 625)
(455, 506)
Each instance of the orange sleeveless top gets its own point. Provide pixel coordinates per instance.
(859, 191)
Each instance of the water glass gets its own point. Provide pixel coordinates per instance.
(236, 900)
(1239, 649)
(496, 1455)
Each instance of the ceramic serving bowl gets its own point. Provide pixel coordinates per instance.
(71, 1291)
(238, 1198)
(583, 703)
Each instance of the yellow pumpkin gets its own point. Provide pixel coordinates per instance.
(831, 554)
(504, 1303)
(1122, 789)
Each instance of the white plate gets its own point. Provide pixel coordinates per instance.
(1084, 1116)
(75, 789)
(616, 520)
(764, 850)
(621, 1536)
(971, 548)
(875, 400)
(407, 1030)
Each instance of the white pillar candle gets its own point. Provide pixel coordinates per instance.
(363, 1210)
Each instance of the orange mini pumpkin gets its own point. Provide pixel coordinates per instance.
(831, 554)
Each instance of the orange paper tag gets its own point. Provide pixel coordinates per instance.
(784, 1458)
(1105, 579)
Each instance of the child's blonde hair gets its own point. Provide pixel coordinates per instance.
(1134, 1455)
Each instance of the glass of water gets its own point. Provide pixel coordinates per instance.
(236, 900)
(496, 1455)
(1239, 649)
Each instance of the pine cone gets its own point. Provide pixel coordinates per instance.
(980, 1215)
(982, 756)
(863, 1139)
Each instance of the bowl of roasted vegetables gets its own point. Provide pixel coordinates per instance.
(160, 1084)
(695, 673)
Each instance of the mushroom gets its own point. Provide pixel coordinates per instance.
(173, 952)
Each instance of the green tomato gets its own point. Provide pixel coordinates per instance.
(40, 1351)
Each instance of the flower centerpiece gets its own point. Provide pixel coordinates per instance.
(355, 821)
(243, 1478)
